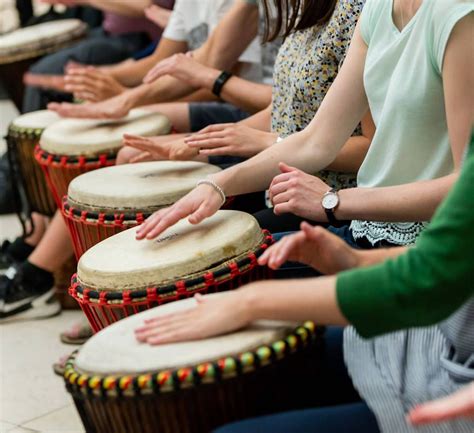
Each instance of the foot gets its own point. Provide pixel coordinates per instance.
(18, 302)
(78, 333)
(6, 260)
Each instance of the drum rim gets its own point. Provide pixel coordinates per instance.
(185, 286)
(113, 217)
(64, 40)
(15, 131)
(173, 380)
(50, 159)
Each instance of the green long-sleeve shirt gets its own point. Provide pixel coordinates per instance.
(426, 284)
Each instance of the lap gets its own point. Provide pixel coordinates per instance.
(351, 418)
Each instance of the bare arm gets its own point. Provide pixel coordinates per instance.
(133, 8)
(417, 201)
(131, 74)
(351, 156)
(318, 145)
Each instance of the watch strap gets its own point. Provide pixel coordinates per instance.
(220, 81)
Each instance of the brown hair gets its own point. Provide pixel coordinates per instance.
(293, 15)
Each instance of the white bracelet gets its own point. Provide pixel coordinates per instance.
(215, 186)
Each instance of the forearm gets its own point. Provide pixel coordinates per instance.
(294, 300)
(247, 95)
(232, 36)
(415, 201)
(351, 156)
(261, 121)
(128, 8)
(132, 73)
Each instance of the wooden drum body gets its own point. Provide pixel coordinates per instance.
(122, 276)
(72, 147)
(121, 386)
(23, 136)
(107, 201)
(21, 48)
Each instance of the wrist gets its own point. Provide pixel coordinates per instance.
(208, 78)
(269, 139)
(250, 298)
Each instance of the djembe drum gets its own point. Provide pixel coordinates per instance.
(23, 136)
(121, 386)
(107, 201)
(21, 48)
(72, 147)
(122, 276)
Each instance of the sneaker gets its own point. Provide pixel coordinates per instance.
(18, 303)
(6, 260)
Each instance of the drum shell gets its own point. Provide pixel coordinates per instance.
(22, 143)
(283, 386)
(87, 232)
(59, 170)
(101, 313)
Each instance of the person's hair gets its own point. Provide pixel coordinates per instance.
(293, 15)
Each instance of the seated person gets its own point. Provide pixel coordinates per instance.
(124, 31)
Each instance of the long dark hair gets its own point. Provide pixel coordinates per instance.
(293, 15)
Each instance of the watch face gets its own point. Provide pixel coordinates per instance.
(330, 201)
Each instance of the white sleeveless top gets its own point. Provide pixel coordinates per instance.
(407, 103)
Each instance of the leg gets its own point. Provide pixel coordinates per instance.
(352, 418)
(334, 387)
(176, 112)
(97, 49)
(55, 247)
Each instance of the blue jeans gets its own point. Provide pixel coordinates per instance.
(343, 410)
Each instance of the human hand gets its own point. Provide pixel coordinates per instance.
(457, 405)
(91, 84)
(213, 315)
(161, 148)
(202, 202)
(158, 15)
(54, 82)
(113, 108)
(183, 67)
(230, 139)
(315, 247)
(294, 191)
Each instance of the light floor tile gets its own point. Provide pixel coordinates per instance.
(6, 427)
(9, 227)
(65, 420)
(28, 387)
(24, 430)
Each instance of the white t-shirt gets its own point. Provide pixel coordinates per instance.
(193, 21)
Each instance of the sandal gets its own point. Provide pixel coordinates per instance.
(79, 333)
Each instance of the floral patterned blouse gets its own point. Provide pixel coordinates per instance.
(306, 66)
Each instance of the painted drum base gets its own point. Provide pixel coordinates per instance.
(270, 378)
(60, 170)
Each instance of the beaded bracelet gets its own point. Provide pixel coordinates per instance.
(216, 187)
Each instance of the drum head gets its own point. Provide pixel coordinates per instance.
(115, 351)
(36, 120)
(87, 137)
(121, 262)
(32, 41)
(141, 187)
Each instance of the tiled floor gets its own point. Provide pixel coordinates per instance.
(32, 398)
